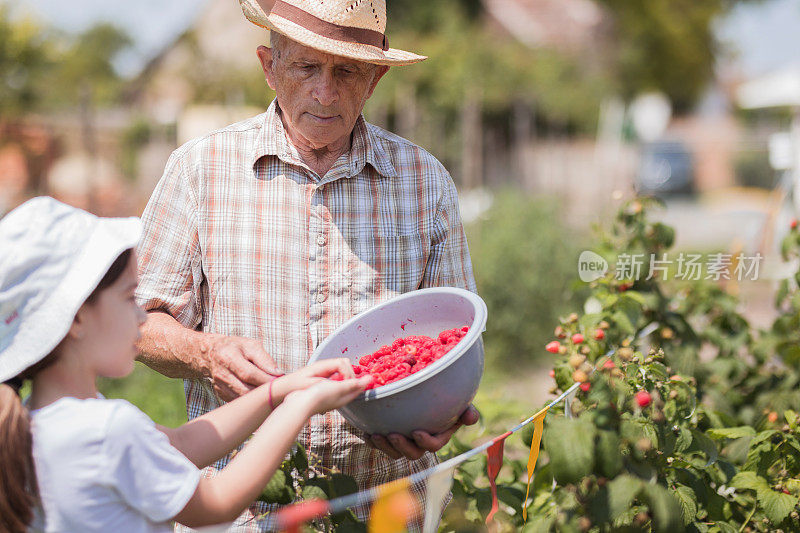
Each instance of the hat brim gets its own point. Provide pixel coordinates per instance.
(360, 52)
(43, 330)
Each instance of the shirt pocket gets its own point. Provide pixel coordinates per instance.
(384, 266)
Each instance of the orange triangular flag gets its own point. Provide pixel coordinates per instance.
(393, 508)
(538, 428)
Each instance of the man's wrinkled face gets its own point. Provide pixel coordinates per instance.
(320, 95)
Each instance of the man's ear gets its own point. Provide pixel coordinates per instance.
(379, 72)
(265, 57)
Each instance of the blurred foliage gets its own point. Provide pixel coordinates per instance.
(160, 397)
(43, 70)
(134, 137)
(85, 67)
(465, 55)
(665, 45)
(25, 59)
(524, 260)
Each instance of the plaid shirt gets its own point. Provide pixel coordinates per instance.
(243, 238)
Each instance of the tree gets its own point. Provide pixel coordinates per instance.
(665, 45)
(25, 59)
(86, 67)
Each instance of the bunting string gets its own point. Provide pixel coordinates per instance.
(389, 498)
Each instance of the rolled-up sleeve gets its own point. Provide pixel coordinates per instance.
(170, 266)
(449, 263)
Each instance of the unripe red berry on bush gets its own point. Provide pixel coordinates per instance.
(609, 365)
(585, 386)
(553, 346)
(577, 338)
(599, 334)
(643, 398)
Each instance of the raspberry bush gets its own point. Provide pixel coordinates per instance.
(658, 438)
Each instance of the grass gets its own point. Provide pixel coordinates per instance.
(160, 397)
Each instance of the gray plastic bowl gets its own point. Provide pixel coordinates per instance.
(433, 398)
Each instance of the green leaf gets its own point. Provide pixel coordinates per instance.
(278, 490)
(608, 458)
(350, 526)
(299, 457)
(748, 480)
(665, 507)
(723, 527)
(621, 492)
(570, 446)
(342, 485)
(700, 442)
(688, 503)
(777, 505)
(563, 376)
(623, 323)
(731, 433)
(683, 441)
(312, 491)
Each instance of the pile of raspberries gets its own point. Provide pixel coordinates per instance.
(406, 356)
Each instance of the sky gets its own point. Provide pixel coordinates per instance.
(766, 34)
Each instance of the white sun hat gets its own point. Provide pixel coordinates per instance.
(347, 28)
(52, 256)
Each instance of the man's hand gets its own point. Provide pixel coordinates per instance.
(396, 446)
(236, 365)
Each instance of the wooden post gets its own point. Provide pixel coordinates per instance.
(471, 140)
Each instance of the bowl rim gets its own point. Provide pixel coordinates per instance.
(477, 327)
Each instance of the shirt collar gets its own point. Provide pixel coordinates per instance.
(365, 147)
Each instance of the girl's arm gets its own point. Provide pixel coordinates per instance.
(224, 497)
(210, 437)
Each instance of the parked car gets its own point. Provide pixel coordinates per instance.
(665, 167)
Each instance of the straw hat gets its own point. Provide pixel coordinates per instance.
(347, 28)
(53, 256)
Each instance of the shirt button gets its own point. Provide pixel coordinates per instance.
(321, 239)
(321, 297)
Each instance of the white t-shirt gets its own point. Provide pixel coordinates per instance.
(103, 466)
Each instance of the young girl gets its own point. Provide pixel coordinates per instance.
(74, 461)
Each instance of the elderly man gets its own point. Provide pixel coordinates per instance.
(263, 237)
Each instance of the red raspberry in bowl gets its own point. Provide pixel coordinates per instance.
(406, 356)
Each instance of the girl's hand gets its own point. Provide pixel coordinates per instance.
(327, 368)
(329, 394)
(315, 373)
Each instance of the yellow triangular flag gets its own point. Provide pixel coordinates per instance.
(538, 428)
(393, 508)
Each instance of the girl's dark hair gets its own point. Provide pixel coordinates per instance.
(18, 488)
(114, 272)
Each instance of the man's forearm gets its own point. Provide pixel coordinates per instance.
(171, 349)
